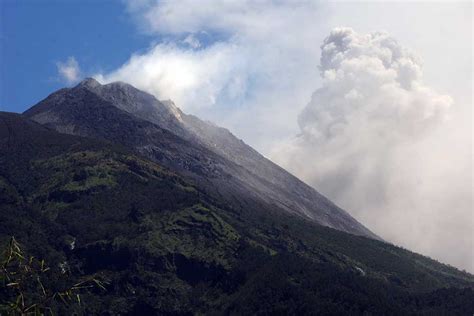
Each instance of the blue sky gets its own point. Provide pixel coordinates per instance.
(35, 35)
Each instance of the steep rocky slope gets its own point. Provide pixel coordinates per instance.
(225, 166)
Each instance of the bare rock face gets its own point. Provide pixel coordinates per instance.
(211, 156)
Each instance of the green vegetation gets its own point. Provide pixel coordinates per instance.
(30, 287)
(165, 247)
(195, 232)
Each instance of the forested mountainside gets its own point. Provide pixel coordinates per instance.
(164, 245)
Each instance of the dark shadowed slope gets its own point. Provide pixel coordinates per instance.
(212, 156)
(168, 247)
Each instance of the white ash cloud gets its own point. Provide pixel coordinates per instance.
(69, 70)
(382, 143)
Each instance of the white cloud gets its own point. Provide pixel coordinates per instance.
(249, 64)
(192, 41)
(193, 79)
(385, 144)
(69, 70)
(246, 17)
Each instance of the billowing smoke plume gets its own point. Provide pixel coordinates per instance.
(385, 146)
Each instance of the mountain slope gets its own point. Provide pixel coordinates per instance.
(167, 247)
(212, 156)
